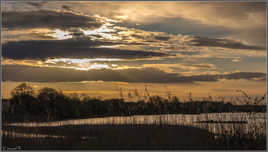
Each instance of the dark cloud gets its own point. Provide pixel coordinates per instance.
(147, 75)
(188, 52)
(70, 48)
(179, 25)
(225, 43)
(163, 38)
(47, 19)
(66, 7)
(243, 75)
(36, 4)
(230, 76)
(76, 33)
(255, 36)
(36, 74)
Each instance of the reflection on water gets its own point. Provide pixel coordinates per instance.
(28, 135)
(254, 122)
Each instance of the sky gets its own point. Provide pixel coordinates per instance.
(130, 49)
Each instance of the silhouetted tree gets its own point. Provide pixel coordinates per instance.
(50, 104)
(23, 99)
(54, 102)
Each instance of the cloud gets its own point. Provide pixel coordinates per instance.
(36, 74)
(36, 4)
(66, 7)
(47, 19)
(146, 75)
(233, 15)
(69, 48)
(229, 76)
(208, 19)
(218, 20)
(19, 35)
(163, 38)
(243, 75)
(182, 67)
(225, 43)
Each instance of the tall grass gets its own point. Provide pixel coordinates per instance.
(232, 135)
(233, 130)
(50, 104)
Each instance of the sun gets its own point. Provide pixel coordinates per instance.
(61, 35)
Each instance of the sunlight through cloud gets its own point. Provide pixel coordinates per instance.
(59, 34)
(82, 64)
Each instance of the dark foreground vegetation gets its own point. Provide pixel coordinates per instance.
(49, 104)
(128, 137)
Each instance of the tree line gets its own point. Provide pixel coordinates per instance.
(50, 104)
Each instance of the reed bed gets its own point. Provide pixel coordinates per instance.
(148, 125)
(217, 123)
(226, 128)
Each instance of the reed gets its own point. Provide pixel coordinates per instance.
(80, 122)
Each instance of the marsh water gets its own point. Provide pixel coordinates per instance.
(217, 123)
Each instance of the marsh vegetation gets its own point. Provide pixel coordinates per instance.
(51, 120)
